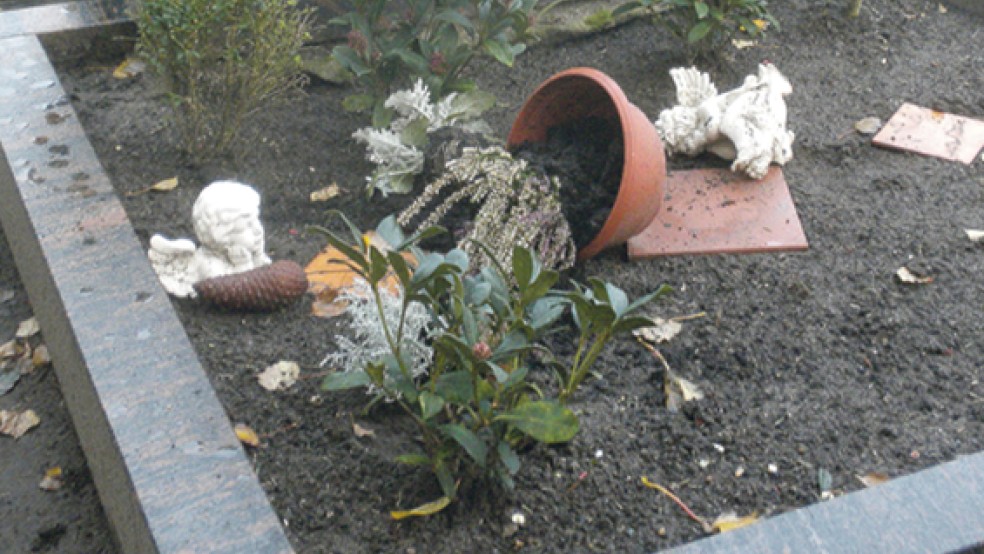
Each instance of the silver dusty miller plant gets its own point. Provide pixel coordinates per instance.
(368, 344)
(397, 150)
(517, 206)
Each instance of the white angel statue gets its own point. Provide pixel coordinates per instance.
(747, 124)
(226, 217)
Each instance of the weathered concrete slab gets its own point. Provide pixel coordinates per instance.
(61, 17)
(169, 470)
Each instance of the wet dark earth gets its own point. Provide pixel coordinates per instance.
(810, 361)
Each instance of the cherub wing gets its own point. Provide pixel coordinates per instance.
(693, 86)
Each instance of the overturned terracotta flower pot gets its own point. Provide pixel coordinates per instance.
(582, 93)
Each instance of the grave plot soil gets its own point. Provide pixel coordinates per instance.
(809, 361)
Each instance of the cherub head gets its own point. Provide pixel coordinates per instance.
(226, 216)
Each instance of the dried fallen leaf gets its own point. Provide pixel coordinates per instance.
(329, 274)
(16, 424)
(40, 357)
(422, 510)
(27, 328)
(679, 390)
(873, 478)
(868, 125)
(730, 521)
(741, 44)
(327, 305)
(279, 376)
(11, 349)
(247, 435)
(906, 276)
(165, 185)
(326, 193)
(52, 479)
(130, 67)
(975, 235)
(361, 431)
(942, 9)
(662, 330)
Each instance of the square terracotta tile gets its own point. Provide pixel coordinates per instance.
(924, 131)
(714, 211)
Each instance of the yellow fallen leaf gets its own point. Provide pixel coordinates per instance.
(27, 328)
(52, 479)
(873, 478)
(908, 277)
(679, 390)
(16, 424)
(165, 185)
(329, 274)
(326, 193)
(247, 435)
(130, 67)
(730, 521)
(40, 357)
(427, 509)
(361, 431)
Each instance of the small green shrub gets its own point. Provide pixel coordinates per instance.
(221, 61)
(394, 43)
(705, 25)
(473, 406)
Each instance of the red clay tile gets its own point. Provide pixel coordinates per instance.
(924, 131)
(714, 211)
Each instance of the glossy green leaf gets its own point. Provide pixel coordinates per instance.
(430, 404)
(468, 440)
(343, 380)
(508, 457)
(455, 387)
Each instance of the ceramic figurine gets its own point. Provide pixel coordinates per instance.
(747, 124)
(226, 218)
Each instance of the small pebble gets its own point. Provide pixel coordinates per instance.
(739, 471)
(703, 463)
(719, 448)
(599, 454)
(773, 469)
(661, 531)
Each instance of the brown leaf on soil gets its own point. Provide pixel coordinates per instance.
(327, 305)
(130, 67)
(873, 478)
(679, 390)
(11, 349)
(40, 357)
(52, 479)
(662, 330)
(16, 424)
(247, 435)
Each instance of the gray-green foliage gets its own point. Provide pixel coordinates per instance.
(474, 407)
(221, 61)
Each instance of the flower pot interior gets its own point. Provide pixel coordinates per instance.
(582, 93)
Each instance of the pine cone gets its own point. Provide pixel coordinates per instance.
(262, 289)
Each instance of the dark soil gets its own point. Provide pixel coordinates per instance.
(587, 157)
(69, 520)
(817, 360)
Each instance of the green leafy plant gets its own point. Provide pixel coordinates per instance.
(221, 61)
(394, 43)
(474, 406)
(705, 25)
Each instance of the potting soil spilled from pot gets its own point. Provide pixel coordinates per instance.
(586, 155)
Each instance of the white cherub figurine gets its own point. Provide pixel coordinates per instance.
(747, 124)
(226, 217)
